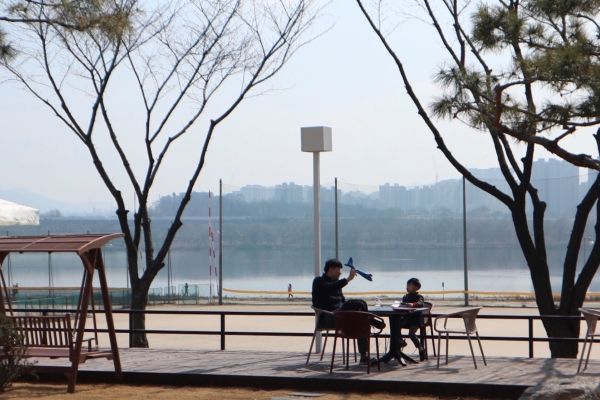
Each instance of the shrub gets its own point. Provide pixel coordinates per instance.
(12, 352)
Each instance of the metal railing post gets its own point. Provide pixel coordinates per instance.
(130, 327)
(530, 337)
(222, 331)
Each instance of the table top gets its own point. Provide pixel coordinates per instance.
(396, 309)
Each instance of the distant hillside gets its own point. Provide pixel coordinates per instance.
(377, 231)
(46, 205)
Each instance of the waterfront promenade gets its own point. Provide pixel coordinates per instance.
(279, 362)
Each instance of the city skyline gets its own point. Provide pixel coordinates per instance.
(352, 193)
(557, 181)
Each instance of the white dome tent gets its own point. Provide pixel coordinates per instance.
(17, 214)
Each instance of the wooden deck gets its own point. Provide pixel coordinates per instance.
(503, 377)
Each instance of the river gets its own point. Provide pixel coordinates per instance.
(498, 269)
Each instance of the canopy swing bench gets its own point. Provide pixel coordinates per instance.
(54, 336)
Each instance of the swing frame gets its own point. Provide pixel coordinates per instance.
(89, 249)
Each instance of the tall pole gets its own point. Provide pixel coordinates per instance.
(8, 269)
(464, 192)
(169, 282)
(211, 251)
(584, 255)
(49, 272)
(220, 242)
(337, 237)
(314, 140)
(317, 210)
(127, 273)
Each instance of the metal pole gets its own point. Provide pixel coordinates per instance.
(317, 222)
(130, 328)
(530, 337)
(9, 268)
(211, 295)
(317, 211)
(584, 255)
(314, 140)
(220, 242)
(222, 331)
(337, 237)
(169, 276)
(465, 240)
(49, 272)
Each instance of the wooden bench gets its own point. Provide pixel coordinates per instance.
(52, 337)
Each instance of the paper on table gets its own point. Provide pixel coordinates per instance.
(378, 303)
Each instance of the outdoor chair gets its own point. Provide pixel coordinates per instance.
(591, 318)
(320, 328)
(356, 325)
(469, 316)
(426, 321)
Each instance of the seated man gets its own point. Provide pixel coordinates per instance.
(327, 295)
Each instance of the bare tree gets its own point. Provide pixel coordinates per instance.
(547, 88)
(179, 57)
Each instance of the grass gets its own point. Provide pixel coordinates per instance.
(111, 391)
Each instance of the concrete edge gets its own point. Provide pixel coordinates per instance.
(333, 384)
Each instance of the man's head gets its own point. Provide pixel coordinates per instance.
(413, 285)
(333, 269)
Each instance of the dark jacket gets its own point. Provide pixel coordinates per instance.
(327, 293)
(414, 300)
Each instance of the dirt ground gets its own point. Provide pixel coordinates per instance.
(110, 391)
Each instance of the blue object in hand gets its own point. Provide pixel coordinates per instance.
(365, 275)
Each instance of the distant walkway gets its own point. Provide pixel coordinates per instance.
(503, 377)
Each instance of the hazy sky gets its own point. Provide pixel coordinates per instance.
(344, 80)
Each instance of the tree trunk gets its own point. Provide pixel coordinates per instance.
(139, 301)
(540, 277)
(563, 328)
(139, 297)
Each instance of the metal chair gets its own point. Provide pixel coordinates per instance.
(591, 318)
(356, 325)
(318, 328)
(427, 321)
(469, 316)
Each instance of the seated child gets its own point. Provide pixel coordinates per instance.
(413, 321)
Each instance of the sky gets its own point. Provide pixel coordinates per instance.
(344, 79)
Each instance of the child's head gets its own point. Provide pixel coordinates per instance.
(413, 285)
